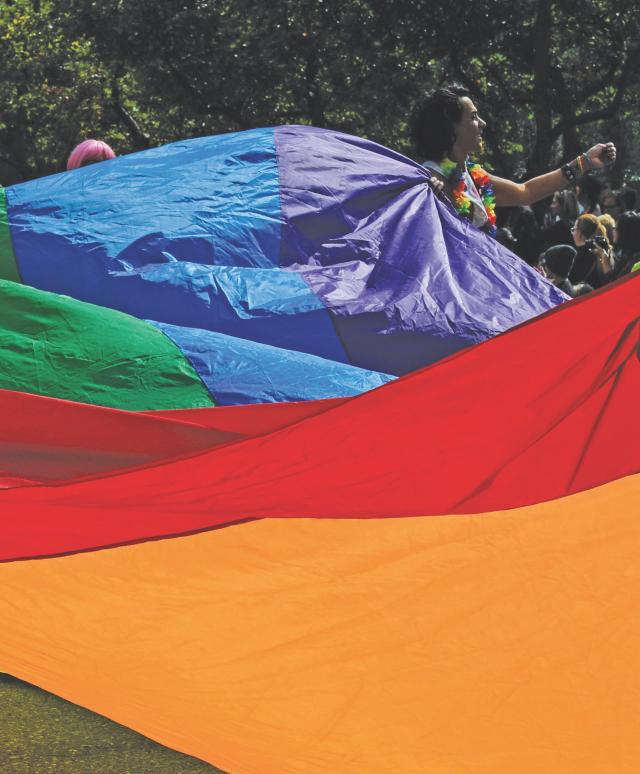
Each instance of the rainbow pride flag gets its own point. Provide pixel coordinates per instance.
(55, 345)
(283, 264)
(274, 492)
(438, 575)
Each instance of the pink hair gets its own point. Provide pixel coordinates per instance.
(88, 152)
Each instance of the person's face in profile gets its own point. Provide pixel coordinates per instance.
(469, 128)
(578, 237)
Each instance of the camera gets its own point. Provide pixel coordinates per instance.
(598, 241)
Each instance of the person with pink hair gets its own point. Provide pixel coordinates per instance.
(89, 152)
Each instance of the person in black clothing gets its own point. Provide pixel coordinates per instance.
(562, 214)
(556, 263)
(630, 199)
(612, 203)
(588, 191)
(626, 237)
(594, 261)
(520, 232)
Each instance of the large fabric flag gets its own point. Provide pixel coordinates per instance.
(283, 264)
(438, 575)
(54, 345)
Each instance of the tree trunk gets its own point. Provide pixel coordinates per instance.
(539, 160)
(314, 98)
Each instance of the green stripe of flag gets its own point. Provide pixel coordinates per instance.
(57, 346)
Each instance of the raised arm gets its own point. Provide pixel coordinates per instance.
(509, 193)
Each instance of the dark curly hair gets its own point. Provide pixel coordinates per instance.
(628, 226)
(432, 123)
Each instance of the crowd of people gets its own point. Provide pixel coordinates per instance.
(588, 236)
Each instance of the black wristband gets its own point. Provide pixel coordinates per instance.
(569, 172)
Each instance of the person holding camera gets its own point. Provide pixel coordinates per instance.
(594, 262)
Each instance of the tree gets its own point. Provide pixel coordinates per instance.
(552, 80)
(143, 72)
(53, 92)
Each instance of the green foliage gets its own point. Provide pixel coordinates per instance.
(549, 77)
(51, 90)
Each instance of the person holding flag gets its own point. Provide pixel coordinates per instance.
(447, 132)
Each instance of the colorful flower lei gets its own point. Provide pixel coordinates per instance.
(461, 199)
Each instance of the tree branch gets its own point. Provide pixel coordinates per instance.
(140, 139)
(314, 98)
(565, 105)
(624, 80)
(513, 97)
(593, 88)
(231, 113)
